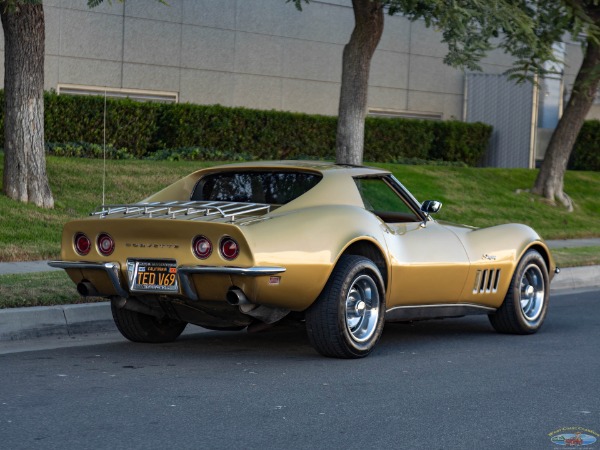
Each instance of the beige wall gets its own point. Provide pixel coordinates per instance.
(259, 54)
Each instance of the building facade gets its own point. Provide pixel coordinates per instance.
(260, 54)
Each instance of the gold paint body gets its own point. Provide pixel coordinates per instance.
(424, 263)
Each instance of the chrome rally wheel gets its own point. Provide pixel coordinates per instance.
(362, 308)
(533, 292)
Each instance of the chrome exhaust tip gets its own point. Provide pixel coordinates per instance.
(87, 289)
(236, 297)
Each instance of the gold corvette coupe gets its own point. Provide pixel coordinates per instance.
(345, 248)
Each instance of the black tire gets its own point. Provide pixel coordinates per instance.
(346, 321)
(526, 303)
(138, 327)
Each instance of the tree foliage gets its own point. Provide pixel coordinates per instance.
(525, 29)
(471, 28)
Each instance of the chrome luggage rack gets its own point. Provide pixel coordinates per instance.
(182, 210)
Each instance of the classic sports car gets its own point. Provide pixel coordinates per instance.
(345, 248)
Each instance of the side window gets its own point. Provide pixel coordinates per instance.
(382, 200)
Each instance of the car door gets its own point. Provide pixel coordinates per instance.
(429, 264)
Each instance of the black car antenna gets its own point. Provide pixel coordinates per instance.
(104, 152)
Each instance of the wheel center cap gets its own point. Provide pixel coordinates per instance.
(529, 291)
(360, 307)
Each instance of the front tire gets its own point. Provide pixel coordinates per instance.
(526, 303)
(138, 327)
(346, 321)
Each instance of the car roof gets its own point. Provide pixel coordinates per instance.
(336, 187)
(317, 166)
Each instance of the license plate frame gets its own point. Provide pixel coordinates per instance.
(155, 276)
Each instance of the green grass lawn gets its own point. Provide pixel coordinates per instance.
(30, 233)
(474, 196)
(486, 196)
(40, 289)
(575, 257)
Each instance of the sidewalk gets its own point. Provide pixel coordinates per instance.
(69, 320)
(13, 268)
(573, 243)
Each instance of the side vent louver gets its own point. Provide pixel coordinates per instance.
(486, 281)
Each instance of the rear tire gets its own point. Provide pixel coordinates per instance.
(138, 327)
(526, 303)
(346, 321)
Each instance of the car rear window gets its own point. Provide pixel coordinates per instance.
(273, 187)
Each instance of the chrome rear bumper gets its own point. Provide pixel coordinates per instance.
(113, 269)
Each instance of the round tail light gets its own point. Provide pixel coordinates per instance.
(83, 245)
(201, 247)
(106, 245)
(229, 248)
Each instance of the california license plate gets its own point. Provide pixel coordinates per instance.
(158, 276)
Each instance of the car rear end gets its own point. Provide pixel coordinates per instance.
(187, 250)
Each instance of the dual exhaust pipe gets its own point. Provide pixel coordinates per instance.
(235, 296)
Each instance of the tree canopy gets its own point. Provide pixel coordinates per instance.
(527, 30)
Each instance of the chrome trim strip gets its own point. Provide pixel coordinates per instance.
(411, 198)
(246, 271)
(112, 269)
(188, 288)
(419, 312)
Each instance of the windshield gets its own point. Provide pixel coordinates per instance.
(272, 187)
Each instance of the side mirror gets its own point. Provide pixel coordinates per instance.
(431, 206)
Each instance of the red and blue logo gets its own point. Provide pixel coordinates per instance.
(574, 438)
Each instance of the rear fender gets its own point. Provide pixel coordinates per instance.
(308, 243)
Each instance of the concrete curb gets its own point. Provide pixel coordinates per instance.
(69, 320)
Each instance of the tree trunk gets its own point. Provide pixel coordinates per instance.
(550, 179)
(356, 64)
(25, 177)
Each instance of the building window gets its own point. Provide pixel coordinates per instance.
(551, 90)
(397, 114)
(550, 102)
(134, 94)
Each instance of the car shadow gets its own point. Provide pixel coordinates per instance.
(289, 339)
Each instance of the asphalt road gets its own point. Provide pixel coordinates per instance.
(451, 384)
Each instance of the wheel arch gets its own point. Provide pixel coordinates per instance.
(372, 251)
(546, 255)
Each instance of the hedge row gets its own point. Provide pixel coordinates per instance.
(586, 152)
(143, 129)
